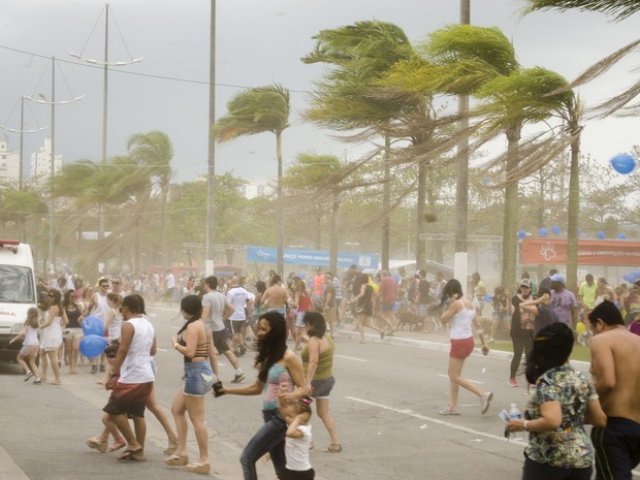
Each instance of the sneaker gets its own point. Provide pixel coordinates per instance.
(512, 382)
(238, 378)
(486, 402)
(448, 411)
(102, 369)
(27, 376)
(94, 369)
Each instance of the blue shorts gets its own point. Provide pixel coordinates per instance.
(300, 319)
(198, 378)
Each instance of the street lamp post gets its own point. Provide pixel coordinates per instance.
(52, 102)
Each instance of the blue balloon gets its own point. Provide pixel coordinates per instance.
(623, 163)
(542, 232)
(92, 325)
(92, 345)
(621, 236)
(601, 235)
(522, 234)
(555, 230)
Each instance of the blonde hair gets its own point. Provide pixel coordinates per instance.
(33, 317)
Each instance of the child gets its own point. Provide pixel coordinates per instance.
(298, 439)
(29, 349)
(100, 442)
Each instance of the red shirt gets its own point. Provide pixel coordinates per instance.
(388, 290)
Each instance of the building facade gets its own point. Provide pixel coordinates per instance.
(9, 165)
(41, 163)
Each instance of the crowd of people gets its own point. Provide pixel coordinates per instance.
(229, 318)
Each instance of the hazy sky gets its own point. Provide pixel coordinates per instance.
(259, 42)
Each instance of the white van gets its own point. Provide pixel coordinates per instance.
(17, 293)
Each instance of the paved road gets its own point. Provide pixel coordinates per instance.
(385, 403)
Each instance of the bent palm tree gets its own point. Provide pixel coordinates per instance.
(154, 149)
(259, 110)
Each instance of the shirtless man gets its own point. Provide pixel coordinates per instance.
(617, 380)
(275, 297)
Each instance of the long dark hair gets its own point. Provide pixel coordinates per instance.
(451, 288)
(551, 348)
(192, 306)
(56, 299)
(271, 347)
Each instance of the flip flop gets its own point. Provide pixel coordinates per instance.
(334, 448)
(176, 460)
(116, 446)
(129, 455)
(202, 468)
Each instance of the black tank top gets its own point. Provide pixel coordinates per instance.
(73, 316)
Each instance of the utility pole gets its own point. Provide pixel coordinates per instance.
(211, 159)
(105, 96)
(462, 174)
(52, 253)
(20, 171)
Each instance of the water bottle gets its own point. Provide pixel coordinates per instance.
(515, 413)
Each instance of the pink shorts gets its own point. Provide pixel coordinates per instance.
(461, 348)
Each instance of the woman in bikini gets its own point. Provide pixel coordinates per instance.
(193, 343)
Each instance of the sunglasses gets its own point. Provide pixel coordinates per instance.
(111, 357)
(115, 283)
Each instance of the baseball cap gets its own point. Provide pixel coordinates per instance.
(557, 278)
(525, 282)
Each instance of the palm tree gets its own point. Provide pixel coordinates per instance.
(511, 102)
(254, 111)
(314, 176)
(154, 149)
(360, 54)
(621, 9)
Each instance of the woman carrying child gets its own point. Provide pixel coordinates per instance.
(27, 354)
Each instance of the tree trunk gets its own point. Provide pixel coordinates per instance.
(279, 206)
(163, 224)
(333, 241)
(510, 226)
(386, 203)
(420, 212)
(462, 167)
(572, 215)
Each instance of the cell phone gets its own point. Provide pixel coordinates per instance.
(217, 389)
(507, 432)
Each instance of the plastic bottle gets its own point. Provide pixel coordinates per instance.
(515, 413)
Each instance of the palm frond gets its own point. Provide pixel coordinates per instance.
(619, 8)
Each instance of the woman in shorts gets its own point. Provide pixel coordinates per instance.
(73, 332)
(461, 315)
(317, 361)
(192, 342)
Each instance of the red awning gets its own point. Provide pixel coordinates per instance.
(552, 251)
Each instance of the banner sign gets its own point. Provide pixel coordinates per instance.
(553, 251)
(314, 258)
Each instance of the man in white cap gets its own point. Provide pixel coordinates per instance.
(563, 301)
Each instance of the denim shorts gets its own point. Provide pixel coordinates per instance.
(300, 319)
(322, 388)
(198, 378)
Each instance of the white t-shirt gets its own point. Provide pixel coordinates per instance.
(171, 281)
(215, 301)
(238, 297)
(296, 450)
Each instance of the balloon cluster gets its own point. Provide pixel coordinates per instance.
(93, 342)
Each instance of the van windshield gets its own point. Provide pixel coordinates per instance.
(16, 284)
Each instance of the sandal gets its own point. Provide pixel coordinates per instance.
(334, 448)
(202, 468)
(448, 411)
(97, 444)
(117, 445)
(131, 455)
(171, 448)
(176, 460)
